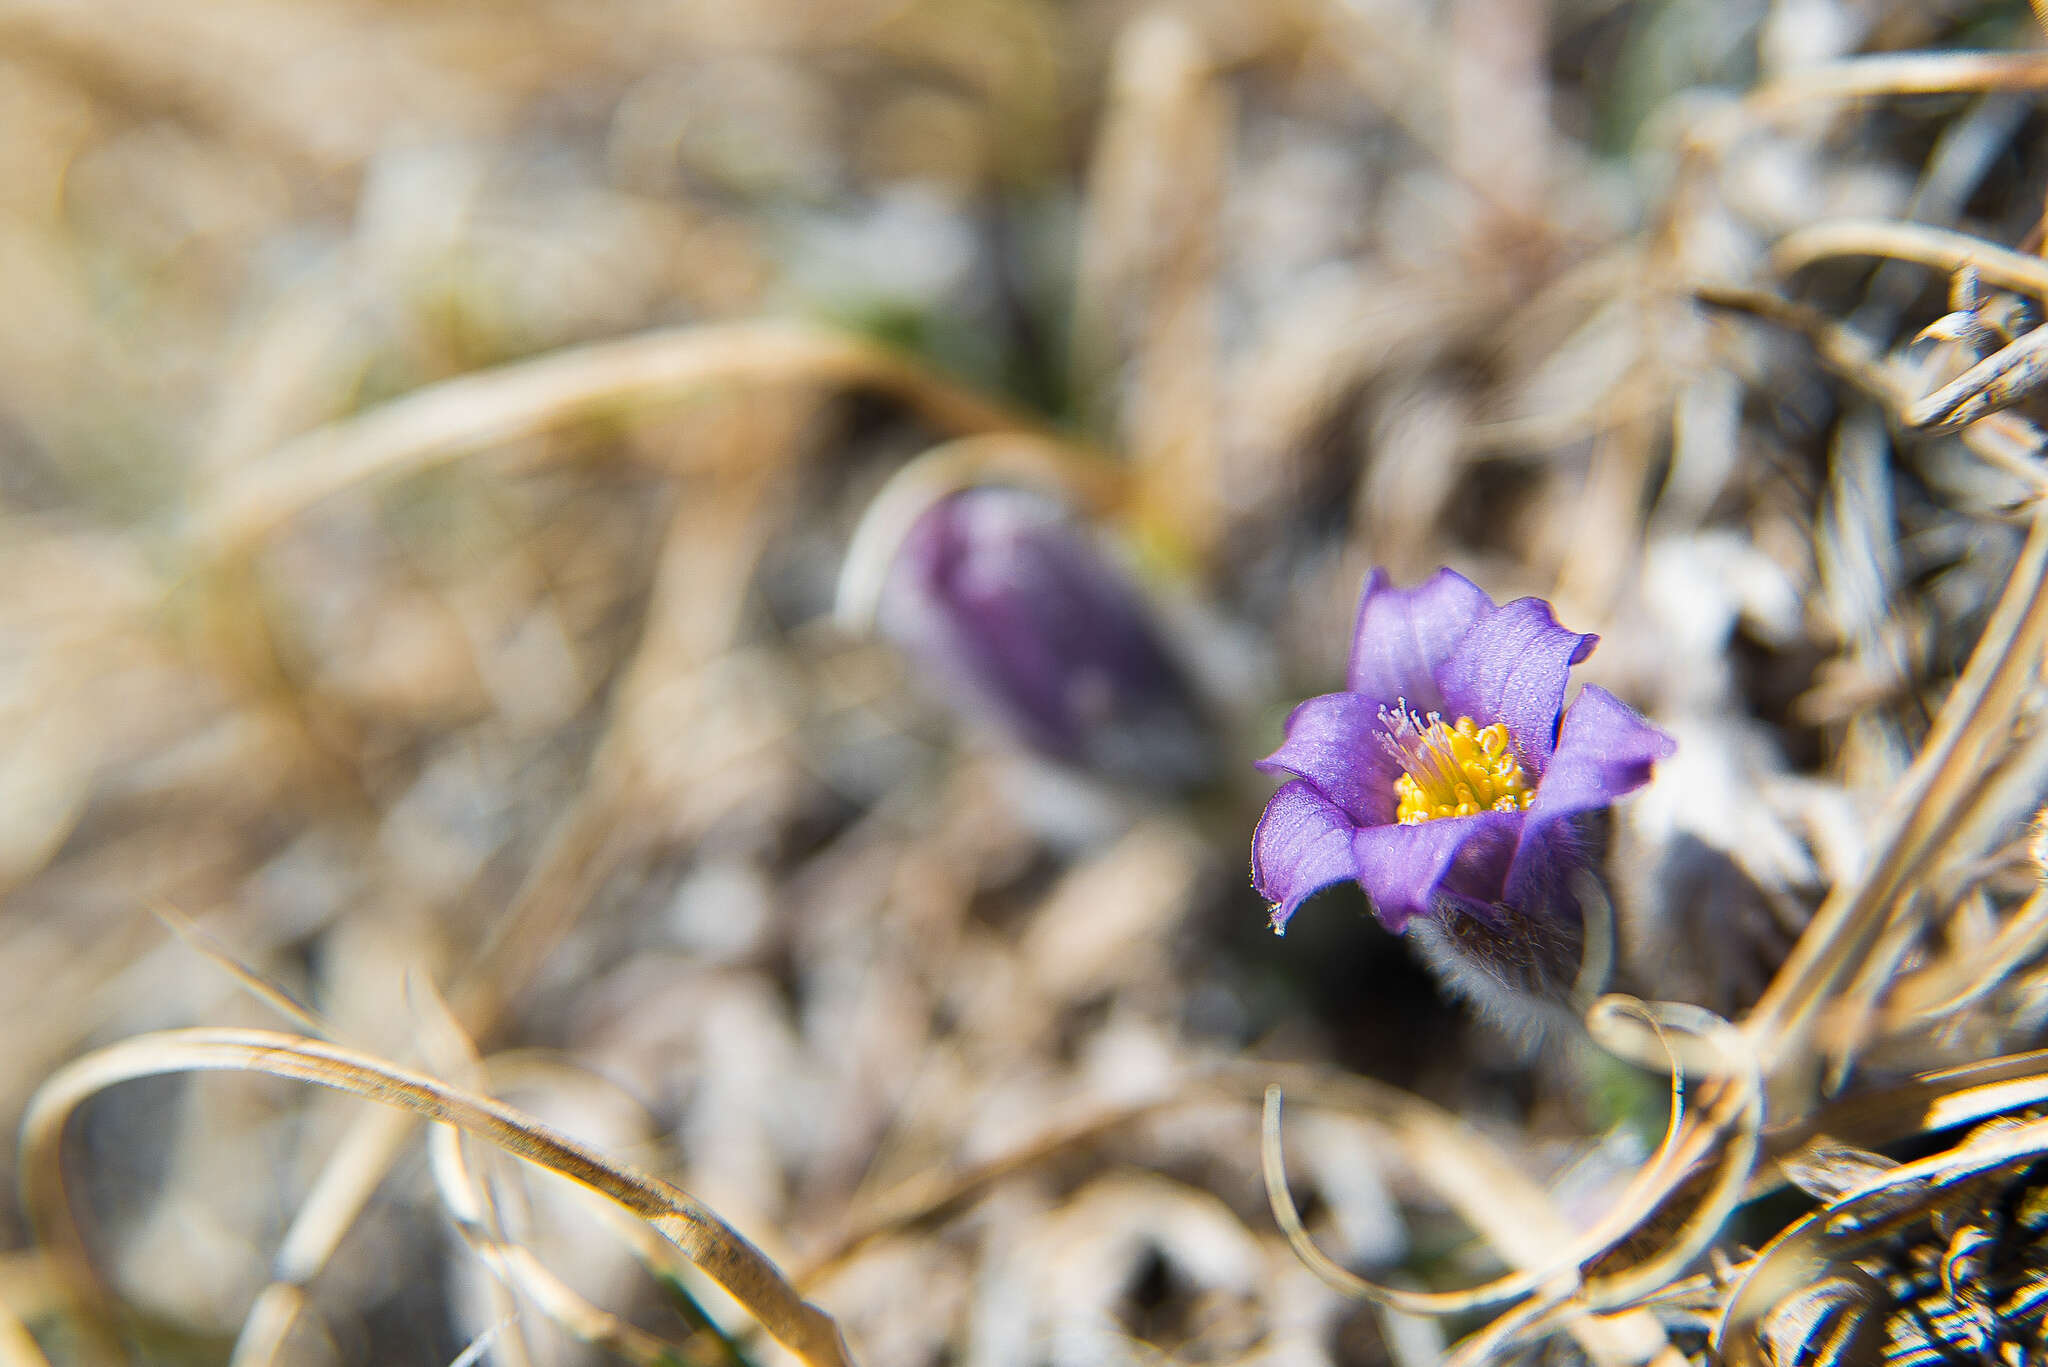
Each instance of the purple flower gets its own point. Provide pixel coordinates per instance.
(1450, 781)
(1025, 622)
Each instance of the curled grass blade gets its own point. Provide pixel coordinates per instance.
(582, 845)
(2004, 440)
(1554, 1286)
(1603, 1312)
(1808, 1247)
(1341, 1279)
(1734, 1112)
(469, 1193)
(1942, 249)
(721, 1252)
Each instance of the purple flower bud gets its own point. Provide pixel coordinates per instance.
(1027, 624)
(1451, 783)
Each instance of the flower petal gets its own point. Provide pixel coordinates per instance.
(1333, 741)
(1302, 845)
(1404, 868)
(1604, 749)
(1511, 667)
(1404, 636)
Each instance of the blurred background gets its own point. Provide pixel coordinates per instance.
(431, 440)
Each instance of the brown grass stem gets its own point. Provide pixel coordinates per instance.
(490, 407)
(1942, 249)
(712, 1245)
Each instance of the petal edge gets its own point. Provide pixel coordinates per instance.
(1403, 868)
(1512, 667)
(1403, 637)
(1604, 749)
(1301, 845)
(1333, 742)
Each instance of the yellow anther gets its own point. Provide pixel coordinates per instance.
(1459, 769)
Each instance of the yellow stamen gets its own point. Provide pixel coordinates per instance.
(1457, 770)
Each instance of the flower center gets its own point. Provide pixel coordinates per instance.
(1456, 770)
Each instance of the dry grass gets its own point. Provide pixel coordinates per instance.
(448, 458)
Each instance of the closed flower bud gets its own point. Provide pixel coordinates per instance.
(1024, 622)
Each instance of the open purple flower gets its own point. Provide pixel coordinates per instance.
(1450, 781)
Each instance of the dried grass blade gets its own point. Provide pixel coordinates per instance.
(469, 1204)
(351, 1173)
(1971, 980)
(255, 984)
(2004, 440)
(1903, 73)
(1800, 1254)
(1992, 1098)
(470, 1197)
(444, 420)
(934, 1194)
(1930, 1101)
(1735, 1110)
(471, 1201)
(1858, 1009)
(18, 1347)
(721, 1252)
(1273, 1157)
(1552, 1278)
(1148, 266)
(1941, 249)
(1629, 1338)
(581, 846)
(1675, 1157)
(481, 1344)
(1483, 1184)
(1973, 719)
